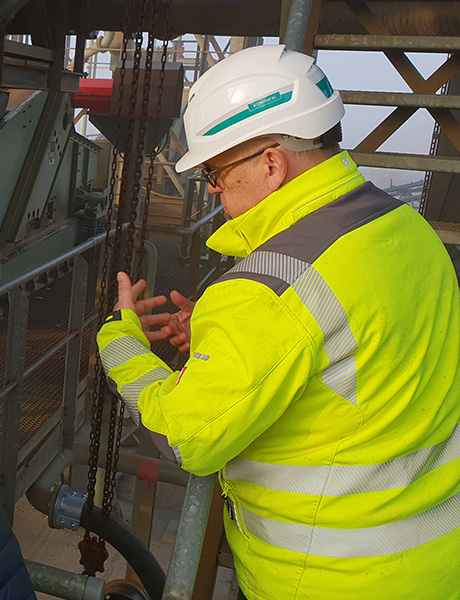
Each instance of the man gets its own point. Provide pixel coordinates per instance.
(323, 379)
(15, 582)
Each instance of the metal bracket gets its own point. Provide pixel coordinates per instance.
(65, 508)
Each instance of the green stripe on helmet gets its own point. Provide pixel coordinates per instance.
(254, 108)
(325, 87)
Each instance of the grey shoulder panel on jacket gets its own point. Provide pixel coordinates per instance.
(280, 260)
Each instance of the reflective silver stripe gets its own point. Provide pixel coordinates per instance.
(131, 391)
(277, 265)
(316, 295)
(340, 480)
(133, 411)
(339, 342)
(320, 300)
(176, 451)
(341, 377)
(352, 543)
(204, 357)
(120, 350)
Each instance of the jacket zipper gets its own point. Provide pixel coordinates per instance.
(228, 502)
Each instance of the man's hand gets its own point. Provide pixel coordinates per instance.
(178, 328)
(127, 298)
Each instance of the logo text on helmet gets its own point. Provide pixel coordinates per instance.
(263, 102)
(253, 108)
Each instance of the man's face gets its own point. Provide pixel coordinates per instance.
(241, 186)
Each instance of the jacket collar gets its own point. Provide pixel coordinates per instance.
(306, 193)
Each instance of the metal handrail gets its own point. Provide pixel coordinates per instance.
(202, 221)
(95, 241)
(54, 350)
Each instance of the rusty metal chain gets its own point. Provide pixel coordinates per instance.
(92, 548)
(154, 152)
(99, 387)
(124, 201)
(117, 407)
(128, 147)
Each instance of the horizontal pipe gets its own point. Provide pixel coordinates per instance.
(146, 468)
(54, 350)
(400, 99)
(397, 17)
(63, 584)
(215, 17)
(52, 264)
(198, 224)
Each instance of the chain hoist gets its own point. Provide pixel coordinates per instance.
(154, 152)
(93, 551)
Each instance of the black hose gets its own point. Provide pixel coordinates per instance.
(130, 547)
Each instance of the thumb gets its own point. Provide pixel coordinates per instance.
(125, 298)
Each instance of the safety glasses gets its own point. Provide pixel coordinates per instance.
(211, 174)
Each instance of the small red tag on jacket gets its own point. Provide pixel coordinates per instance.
(181, 375)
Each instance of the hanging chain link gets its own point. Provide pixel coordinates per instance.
(117, 407)
(154, 152)
(98, 393)
(93, 550)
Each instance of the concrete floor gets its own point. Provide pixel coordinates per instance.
(58, 548)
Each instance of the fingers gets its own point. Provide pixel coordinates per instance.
(159, 320)
(181, 301)
(137, 288)
(125, 298)
(156, 336)
(143, 306)
(178, 340)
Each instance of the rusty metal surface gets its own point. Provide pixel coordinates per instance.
(398, 17)
(442, 200)
(216, 17)
(411, 162)
(407, 43)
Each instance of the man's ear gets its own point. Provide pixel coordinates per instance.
(276, 168)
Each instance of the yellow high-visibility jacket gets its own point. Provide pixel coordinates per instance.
(324, 383)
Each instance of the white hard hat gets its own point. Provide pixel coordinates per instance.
(259, 91)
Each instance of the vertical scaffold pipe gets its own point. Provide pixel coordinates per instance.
(190, 534)
(299, 15)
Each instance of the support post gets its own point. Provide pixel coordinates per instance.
(299, 15)
(11, 419)
(187, 550)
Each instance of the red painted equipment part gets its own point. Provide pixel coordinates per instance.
(95, 94)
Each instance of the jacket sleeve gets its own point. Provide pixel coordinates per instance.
(250, 358)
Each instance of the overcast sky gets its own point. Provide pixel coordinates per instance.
(372, 71)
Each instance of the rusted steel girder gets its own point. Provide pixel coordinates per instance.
(398, 17)
(216, 17)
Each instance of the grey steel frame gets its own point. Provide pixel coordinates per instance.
(13, 485)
